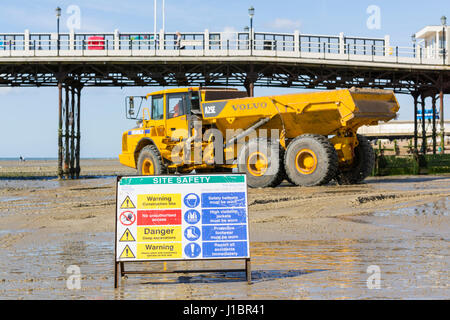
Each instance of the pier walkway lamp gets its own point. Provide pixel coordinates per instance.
(251, 13)
(58, 15)
(444, 25)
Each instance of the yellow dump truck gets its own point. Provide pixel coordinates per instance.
(306, 138)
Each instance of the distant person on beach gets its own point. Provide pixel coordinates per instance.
(22, 159)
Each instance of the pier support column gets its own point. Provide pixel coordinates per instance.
(250, 87)
(60, 134)
(415, 96)
(433, 101)
(423, 149)
(441, 119)
(69, 131)
(72, 133)
(66, 112)
(250, 80)
(78, 135)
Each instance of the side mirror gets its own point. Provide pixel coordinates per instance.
(133, 111)
(131, 107)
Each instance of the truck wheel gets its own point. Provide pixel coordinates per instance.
(262, 161)
(311, 160)
(362, 165)
(149, 161)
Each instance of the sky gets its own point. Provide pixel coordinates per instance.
(29, 116)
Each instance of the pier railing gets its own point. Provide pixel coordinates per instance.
(220, 44)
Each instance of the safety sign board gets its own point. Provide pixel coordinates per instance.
(182, 217)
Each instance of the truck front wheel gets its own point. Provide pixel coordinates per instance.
(310, 160)
(149, 161)
(262, 161)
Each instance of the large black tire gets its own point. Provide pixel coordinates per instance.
(311, 160)
(362, 166)
(270, 155)
(150, 161)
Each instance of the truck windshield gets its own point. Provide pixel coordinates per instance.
(157, 107)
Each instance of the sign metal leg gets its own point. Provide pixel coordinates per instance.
(116, 274)
(248, 271)
(122, 269)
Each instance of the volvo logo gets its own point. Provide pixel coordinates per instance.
(250, 106)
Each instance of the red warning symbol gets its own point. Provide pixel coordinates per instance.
(127, 218)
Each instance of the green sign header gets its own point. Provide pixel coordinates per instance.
(194, 179)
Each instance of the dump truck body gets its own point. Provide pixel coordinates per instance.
(209, 115)
(321, 112)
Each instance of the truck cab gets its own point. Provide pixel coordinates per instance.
(165, 118)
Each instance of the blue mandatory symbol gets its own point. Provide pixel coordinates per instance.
(191, 200)
(192, 250)
(192, 233)
(192, 216)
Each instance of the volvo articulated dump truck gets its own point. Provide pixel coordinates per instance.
(307, 139)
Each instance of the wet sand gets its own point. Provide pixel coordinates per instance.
(306, 243)
(49, 168)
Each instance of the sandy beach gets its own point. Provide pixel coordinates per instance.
(306, 243)
(49, 168)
